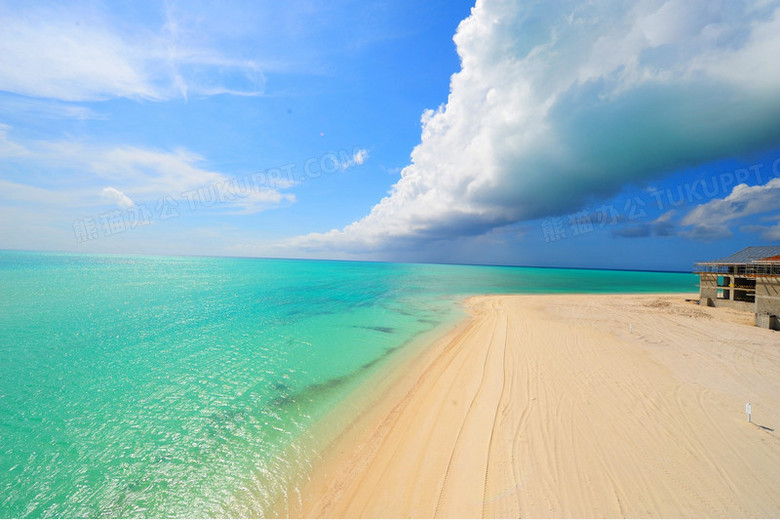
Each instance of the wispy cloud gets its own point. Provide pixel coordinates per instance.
(15, 193)
(663, 226)
(19, 106)
(86, 175)
(558, 104)
(770, 233)
(9, 148)
(70, 53)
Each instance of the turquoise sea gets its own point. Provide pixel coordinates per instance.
(136, 386)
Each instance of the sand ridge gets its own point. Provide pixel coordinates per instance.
(569, 406)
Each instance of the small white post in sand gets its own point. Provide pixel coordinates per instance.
(747, 411)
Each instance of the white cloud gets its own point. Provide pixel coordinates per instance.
(73, 54)
(711, 220)
(557, 104)
(117, 197)
(743, 201)
(77, 174)
(358, 158)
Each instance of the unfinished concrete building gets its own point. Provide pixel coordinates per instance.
(748, 280)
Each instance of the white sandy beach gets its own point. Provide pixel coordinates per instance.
(568, 406)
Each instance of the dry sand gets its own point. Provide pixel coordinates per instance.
(568, 406)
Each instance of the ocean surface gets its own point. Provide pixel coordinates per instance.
(135, 386)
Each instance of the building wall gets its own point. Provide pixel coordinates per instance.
(708, 293)
(768, 295)
(736, 305)
(708, 289)
(767, 321)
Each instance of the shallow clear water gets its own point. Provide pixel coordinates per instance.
(166, 386)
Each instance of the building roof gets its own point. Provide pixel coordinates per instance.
(749, 255)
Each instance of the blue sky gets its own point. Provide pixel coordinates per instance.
(610, 134)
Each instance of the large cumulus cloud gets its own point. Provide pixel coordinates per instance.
(557, 104)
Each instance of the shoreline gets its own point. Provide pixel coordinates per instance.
(279, 495)
(347, 422)
(605, 405)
